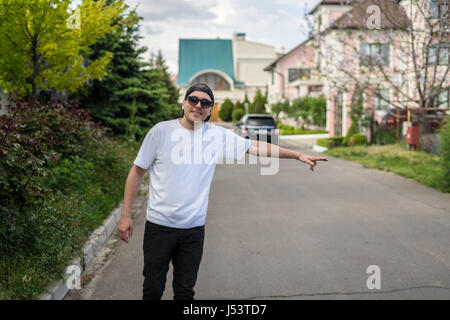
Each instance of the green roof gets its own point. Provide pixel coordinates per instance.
(196, 55)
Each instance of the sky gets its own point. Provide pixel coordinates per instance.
(280, 23)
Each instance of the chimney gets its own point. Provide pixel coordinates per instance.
(239, 35)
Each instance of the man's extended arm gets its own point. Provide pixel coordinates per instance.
(134, 180)
(265, 149)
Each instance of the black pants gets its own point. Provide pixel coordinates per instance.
(184, 247)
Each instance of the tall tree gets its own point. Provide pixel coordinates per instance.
(160, 63)
(134, 95)
(259, 103)
(43, 44)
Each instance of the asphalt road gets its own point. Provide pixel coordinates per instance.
(303, 235)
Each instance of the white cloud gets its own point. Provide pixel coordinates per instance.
(279, 23)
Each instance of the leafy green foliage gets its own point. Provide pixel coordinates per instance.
(41, 50)
(237, 114)
(226, 110)
(259, 103)
(290, 130)
(359, 115)
(331, 142)
(384, 136)
(134, 95)
(239, 105)
(238, 111)
(279, 107)
(445, 153)
(351, 131)
(60, 176)
(357, 140)
(312, 110)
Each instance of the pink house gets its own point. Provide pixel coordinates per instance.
(292, 74)
(334, 61)
(297, 73)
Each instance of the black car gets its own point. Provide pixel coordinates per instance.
(261, 127)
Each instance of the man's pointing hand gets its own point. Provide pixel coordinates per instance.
(312, 161)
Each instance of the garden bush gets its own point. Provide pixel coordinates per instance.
(357, 140)
(331, 142)
(384, 136)
(351, 131)
(60, 176)
(226, 110)
(290, 130)
(238, 114)
(445, 153)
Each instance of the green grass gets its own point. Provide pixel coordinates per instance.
(420, 166)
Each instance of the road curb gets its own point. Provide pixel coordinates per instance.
(58, 289)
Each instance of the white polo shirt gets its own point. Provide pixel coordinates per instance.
(182, 164)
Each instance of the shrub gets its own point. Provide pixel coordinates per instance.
(285, 126)
(445, 152)
(239, 105)
(384, 136)
(226, 110)
(357, 140)
(60, 176)
(331, 142)
(311, 109)
(276, 108)
(259, 103)
(290, 130)
(237, 114)
(351, 131)
(285, 129)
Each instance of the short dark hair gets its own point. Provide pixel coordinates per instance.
(200, 87)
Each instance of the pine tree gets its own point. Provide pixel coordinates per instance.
(174, 92)
(247, 103)
(134, 95)
(259, 103)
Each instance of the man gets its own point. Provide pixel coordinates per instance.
(179, 190)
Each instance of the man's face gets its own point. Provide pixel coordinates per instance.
(196, 112)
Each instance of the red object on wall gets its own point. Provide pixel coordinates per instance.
(412, 135)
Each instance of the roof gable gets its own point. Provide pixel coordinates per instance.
(333, 2)
(393, 16)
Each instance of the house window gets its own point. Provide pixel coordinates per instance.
(439, 10)
(374, 54)
(213, 80)
(382, 99)
(443, 54)
(443, 100)
(272, 77)
(299, 74)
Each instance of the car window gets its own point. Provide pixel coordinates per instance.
(260, 121)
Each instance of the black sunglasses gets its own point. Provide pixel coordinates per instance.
(193, 100)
